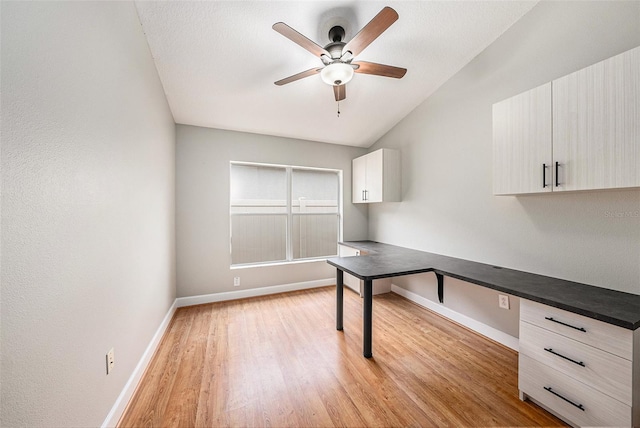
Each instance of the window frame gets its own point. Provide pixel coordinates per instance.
(289, 215)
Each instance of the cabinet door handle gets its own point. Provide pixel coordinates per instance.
(557, 180)
(363, 195)
(580, 363)
(579, 406)
(544, 175)
(565, 324)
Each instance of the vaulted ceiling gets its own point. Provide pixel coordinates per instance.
(218, 61)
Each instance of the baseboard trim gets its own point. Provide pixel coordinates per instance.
(252, 292)
(127, 392)
(481, 328)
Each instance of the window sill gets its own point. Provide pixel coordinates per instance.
(295, 262)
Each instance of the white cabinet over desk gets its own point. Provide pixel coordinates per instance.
(376, 177)
(522, 153)
(579, 132)
(596, 125)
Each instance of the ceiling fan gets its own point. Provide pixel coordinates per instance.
(337, 56)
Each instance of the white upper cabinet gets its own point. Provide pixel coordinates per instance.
(359, 179)
(596, 125)
(522, 143)
(376, 177)
(579, 132)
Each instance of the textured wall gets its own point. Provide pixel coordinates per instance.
(88, 251)
(202, 200)
(448, 206)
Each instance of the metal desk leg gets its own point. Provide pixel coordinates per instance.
(440, 287)
(339, 298)
(367, 318)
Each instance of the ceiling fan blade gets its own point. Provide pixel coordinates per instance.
(301, 40)
(340, 92)
(298, 76)
(379, 69)
(371, 31)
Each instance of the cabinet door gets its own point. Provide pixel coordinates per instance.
(375, 176)
(596, 125)
(358, 177)
(522, 151)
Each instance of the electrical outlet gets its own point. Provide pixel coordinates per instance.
(236, 281)
(111, 360)
(503, 301)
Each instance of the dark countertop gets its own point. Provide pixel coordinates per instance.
(384, 261)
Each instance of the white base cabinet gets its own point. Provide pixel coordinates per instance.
(376, 177)
(380, 286)
(584, 371)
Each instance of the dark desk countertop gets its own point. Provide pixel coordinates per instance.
(385, 261)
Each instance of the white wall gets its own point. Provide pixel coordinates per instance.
(448, 206)
(202, 200)
(88, 173)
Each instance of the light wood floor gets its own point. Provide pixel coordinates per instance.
(279, 361)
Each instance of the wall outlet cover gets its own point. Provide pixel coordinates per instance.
(111, 360)
(503, 301)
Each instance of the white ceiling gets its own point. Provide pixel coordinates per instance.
(218, 60)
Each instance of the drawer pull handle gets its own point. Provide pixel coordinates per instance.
(565, 324)
(580, 363)
(579, 406)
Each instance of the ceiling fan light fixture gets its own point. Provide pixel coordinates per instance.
(337, 73)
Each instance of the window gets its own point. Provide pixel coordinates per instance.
(283, 213)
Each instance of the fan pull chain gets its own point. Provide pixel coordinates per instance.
(338, 108)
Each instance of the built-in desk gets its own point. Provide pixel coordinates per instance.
(570, 313)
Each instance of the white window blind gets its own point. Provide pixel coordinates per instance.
(283, 213)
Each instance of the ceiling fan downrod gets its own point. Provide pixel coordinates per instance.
(336, 43)
(336, 34)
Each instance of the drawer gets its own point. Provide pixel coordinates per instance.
(605, 372)
(608, 337)
(596, 408)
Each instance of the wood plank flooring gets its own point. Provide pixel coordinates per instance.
(279, 361)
